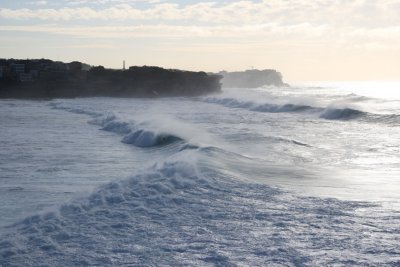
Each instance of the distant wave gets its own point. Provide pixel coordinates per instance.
(280, 108)
(272, 108)
(354, 114)
(328, 113)
(77, 110)
(287, 140)
(341, 114)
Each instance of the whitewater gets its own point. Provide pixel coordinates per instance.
(306, 175)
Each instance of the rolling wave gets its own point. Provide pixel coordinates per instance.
(253, 106)
(271, 108)
(328, 113)
(145, 138)
(137, 134)
(342, 114)
(111, 124)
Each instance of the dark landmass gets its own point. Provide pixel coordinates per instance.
(251, 79)
(43, 78)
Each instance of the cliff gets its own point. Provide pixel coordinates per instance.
(251, 78)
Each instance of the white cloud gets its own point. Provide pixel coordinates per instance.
(40, 2)
(360, 12)
(303, 33)
(348, 23)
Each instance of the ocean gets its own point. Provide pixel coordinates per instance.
(307, 175)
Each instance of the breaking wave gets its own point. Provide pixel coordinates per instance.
(186, 211)
(135, 133)
(138, 134)
(253, 106)
(197, 208)
(110, 123)
(328, 113)
(144, 138)
(341, 114)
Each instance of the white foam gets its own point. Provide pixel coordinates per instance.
(183, 215)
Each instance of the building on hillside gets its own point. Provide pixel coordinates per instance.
(17, 68)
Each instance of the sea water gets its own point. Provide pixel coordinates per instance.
(303, 175)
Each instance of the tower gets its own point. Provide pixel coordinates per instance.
(123, 65)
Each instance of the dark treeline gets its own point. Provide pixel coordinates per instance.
(44, 78)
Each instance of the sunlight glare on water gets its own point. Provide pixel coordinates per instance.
(389, 90)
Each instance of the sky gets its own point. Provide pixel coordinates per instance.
(303, 39)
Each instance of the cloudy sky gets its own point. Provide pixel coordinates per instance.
(304, 39)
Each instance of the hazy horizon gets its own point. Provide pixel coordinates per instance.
(304, 40)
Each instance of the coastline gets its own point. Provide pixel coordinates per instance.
(71, 81)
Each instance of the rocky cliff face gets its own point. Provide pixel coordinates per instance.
(251, 78)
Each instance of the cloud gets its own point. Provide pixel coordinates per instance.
(360, 12)
(343, 22)
(172, 31)
(299, 34)
(40, 2)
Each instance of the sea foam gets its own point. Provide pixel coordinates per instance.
(180, 212)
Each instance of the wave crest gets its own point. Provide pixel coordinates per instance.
(341, 114)
(146, 138)
(328, 113)
(137, 134)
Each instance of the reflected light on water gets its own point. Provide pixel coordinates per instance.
(377, 89)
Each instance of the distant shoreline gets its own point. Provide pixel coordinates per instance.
(252, 78)
(46, 79)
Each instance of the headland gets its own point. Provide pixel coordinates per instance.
(44, 78)
(252, 78)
